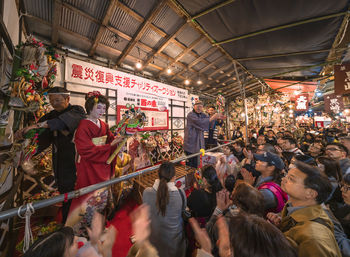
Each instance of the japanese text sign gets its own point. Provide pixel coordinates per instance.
(301, 102)
(333, 103)
(142, 100)
(81, 72)
(342, 79)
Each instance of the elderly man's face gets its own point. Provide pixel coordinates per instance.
(59, 101)
(198, 108)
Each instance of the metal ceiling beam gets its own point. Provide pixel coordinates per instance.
(286, 54)
(167, 40)
(252, 34)
(339, 41)
(181, 11)
(142, 29)
(211, 9)
(110, 10)
(57, 7)
(247, 87)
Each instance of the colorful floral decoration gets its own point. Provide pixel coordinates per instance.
(220, 104)
(32, 77)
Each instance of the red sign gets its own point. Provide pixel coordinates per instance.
(301, 102)
(333, 103)
(342, 79)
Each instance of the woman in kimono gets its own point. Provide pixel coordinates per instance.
(94, 143)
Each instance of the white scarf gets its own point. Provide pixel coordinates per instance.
(171, 185)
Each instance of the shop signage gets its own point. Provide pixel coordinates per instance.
(333, 103)
(342, 79)
(88, 74)
(301, 102)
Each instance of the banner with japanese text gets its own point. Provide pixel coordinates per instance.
(342, 79)
(333, 103)
(88, 74)
(301, 102)
(142, 100)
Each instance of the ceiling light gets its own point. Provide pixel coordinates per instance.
(187, 82)
(222, 72)
(223, 84)
(168, 70)
(199, 82)
(228, 75)
(210, 78)
(138, 65)
(242, 114)
(217, 81)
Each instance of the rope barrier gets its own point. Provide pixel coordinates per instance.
(85, 190)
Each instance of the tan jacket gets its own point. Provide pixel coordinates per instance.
(311, 230)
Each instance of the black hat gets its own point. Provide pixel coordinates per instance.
(271, 159)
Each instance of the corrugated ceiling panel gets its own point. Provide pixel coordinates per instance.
(142, 54)
(167, 20)
(160, 62)
(213, 56)
(124, 22)
(96, 8)
(202, 47)
(141, 7)
(199, 66)
(39, 8)
(79, 24)
(109, 39)
(188, 35)
(187, 59)
(73, 42)
(172, 50)
(38, 29)
(151, 38)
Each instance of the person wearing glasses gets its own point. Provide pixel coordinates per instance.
(342, 211)
(303, 219)
(339, 152)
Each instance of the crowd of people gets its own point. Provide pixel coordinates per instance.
(278, 193)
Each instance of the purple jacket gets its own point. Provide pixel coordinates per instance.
(197, 123)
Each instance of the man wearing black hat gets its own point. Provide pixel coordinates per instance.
(61, 124)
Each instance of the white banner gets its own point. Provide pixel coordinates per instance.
(142, 100)
(88, 74)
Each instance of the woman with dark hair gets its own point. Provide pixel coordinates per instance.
(202, 201)
(251, 235)
(302, 158)
(166, 204)
(268, 183)
(94, 144)
(245, 235)
(60, 243)
(244, 199)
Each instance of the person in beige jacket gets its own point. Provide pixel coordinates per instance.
(303, 221)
